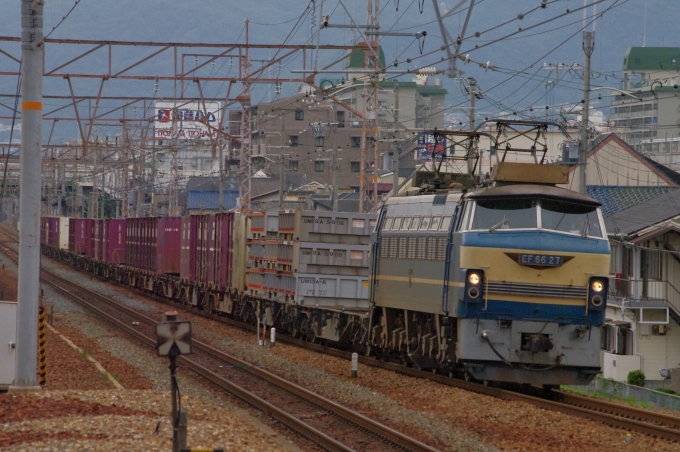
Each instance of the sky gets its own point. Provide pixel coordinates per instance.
(516, 84)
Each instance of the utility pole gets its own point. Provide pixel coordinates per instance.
(588, 47)
(282, 173)
(246, 131)
(92, 211)
(221, 169)
(124, 180)
(376, 115)
(335, 178)
(397, 147)
(32, 50)
(473, 92)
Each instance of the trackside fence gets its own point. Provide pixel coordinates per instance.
(617, 389)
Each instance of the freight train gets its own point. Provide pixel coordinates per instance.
(505, 283)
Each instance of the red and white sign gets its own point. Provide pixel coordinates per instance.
(186, 120)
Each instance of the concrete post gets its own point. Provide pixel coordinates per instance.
(473, 92)
(397, 149)
(32, 48)
(588, 47)
(221, 179)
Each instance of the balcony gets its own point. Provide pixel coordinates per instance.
(645, 294)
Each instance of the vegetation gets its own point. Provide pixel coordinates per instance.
(667, 391)
(636, 378)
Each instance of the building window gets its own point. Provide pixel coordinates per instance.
(318, 141)
(652, 264)
(615, 264)
(340, 118)
(299, 114)
(294, 140)
(318, 166)
(356, 142)
(356, 167)
(293, 166)
(258, 162)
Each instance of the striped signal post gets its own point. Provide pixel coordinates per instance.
(41, 345)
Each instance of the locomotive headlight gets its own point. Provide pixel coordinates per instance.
(597, 286)
(473, 278)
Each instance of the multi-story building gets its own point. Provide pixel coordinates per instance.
(284, 129)
(652, 123)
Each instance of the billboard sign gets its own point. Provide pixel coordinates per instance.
(427, 146)
(186, 120)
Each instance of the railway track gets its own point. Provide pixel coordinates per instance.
(329, 425)
(616, 415)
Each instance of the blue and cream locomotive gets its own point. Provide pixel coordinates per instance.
(503, 283)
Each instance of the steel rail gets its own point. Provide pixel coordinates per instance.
(57, 283)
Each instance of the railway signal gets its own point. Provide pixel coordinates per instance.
(173, 339)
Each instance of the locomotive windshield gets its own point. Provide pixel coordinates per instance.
(570, 217)
(522, 213)
(505, 214)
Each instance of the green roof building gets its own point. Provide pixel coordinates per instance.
(650, 123)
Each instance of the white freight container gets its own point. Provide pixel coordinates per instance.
(63, 233)
(8, 337)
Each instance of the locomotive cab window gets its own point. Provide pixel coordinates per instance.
(406, 224)
(397, 224)
(498, 214)
(425, 224)
(434, 225)
(388, 224)
(446, 222)
(416, 224)
(570, 217)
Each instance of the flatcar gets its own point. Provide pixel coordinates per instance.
(505, 283)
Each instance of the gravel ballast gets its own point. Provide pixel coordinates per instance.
(108, 420)
(136, 368)
(441, 415)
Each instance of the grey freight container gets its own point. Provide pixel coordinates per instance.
(254, 282)
(330, 291)
(326, 227)
(323, 258)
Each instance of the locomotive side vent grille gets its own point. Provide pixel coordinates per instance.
(537, 290)
(421, 249)
(412, 247)
(403, 248)
(432, 248)
(439, 200)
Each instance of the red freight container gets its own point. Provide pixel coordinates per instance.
(43, 230)
(168, 245)
(113, 241)
(202, 246)
(224, 248)
(188, 249)
(98, 239)
(207, 248)
(53, 231)
(154, 244)
(80, 236)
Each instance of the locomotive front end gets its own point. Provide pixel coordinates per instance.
(534, 261)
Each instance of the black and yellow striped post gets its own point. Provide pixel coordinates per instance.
(41, 344)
